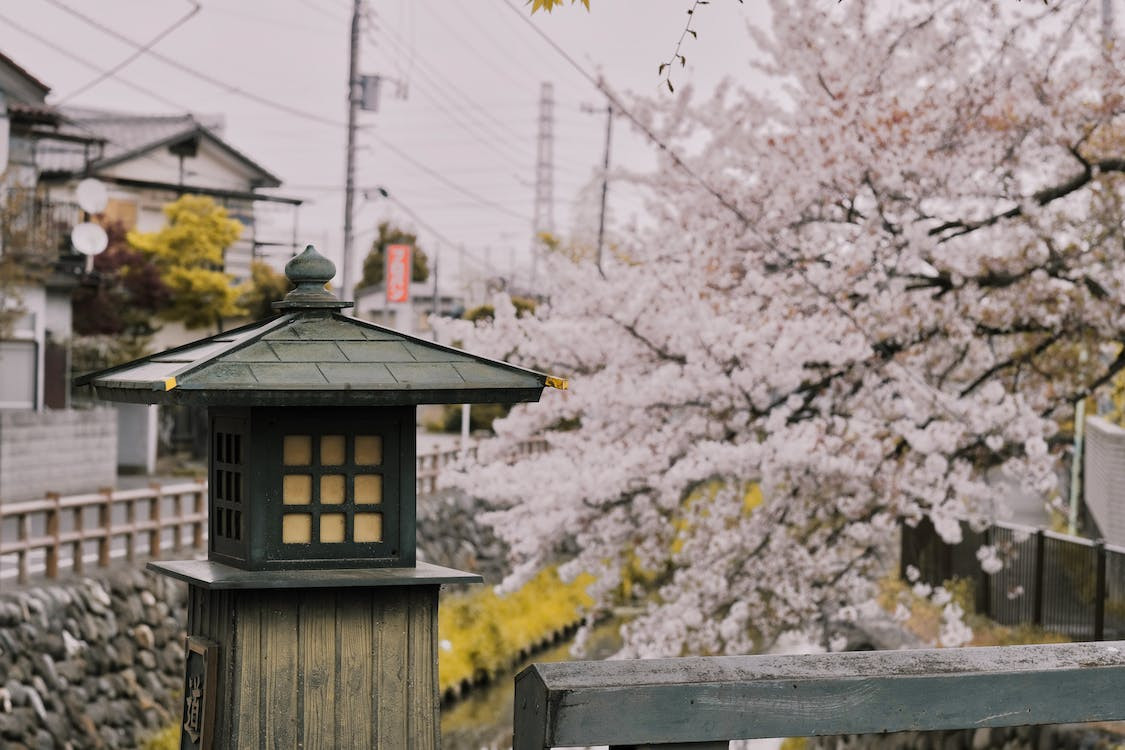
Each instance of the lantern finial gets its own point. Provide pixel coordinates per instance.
(310, 272)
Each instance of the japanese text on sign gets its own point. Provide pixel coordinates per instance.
(398, 273)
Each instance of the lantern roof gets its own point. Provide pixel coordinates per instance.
(310, 354)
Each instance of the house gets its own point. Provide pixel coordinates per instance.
(43, 444)
(145, 162)
(409, 317)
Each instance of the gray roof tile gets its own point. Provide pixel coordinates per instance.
(304, 358)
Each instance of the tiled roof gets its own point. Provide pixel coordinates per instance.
(127, 134)
(20, 71)
(317, 359)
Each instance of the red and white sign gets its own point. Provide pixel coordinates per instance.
(398, 273)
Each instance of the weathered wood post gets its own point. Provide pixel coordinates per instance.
(311, 624)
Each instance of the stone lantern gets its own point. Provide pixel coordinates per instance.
(311, 624)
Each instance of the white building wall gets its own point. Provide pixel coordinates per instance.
(1104, 477)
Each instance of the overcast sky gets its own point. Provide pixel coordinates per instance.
(458, 150)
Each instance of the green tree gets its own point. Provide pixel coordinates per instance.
(189, 253)
(375, 262)
(265, 287)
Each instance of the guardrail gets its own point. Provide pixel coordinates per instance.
(56, 523)
(430, 465)
(703, 702)
(111, 521)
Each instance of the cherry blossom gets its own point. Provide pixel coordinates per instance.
(920, 231)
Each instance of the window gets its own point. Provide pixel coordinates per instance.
(332, 488)
(228, 508)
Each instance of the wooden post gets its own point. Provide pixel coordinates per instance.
(178, 529)
(200, 519)
(319, 659)
(53, 532)
(131, 530)
(105, 525)
(23, 535)
(154, 514)
(77, 564)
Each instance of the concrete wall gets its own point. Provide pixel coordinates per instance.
(65, 451)
(1104, 477)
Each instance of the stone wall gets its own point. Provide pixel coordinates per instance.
(450, 533)
(91, 664)
(67, 451)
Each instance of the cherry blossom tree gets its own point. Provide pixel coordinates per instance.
(866, 295)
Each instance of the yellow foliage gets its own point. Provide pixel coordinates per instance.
(549, 5)
(482, 633)
(925, 616)
(167, 738)
(189, 253)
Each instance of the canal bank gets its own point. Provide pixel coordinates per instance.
(482, 719)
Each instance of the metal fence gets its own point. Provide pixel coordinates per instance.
(1061, 583)
(34, 227)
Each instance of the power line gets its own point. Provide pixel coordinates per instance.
(472, 125)
(447, 182)
(145, 48)
(184, 68)
(91, 65)
(430, 228)
(600, 85)
(486, 30)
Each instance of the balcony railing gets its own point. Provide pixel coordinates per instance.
(36, 229)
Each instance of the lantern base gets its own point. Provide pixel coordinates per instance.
(212, 575)
(311, 658)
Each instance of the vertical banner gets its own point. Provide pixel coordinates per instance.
(398, 273)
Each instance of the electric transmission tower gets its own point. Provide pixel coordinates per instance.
(543, 219)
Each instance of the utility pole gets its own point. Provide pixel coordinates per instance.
(349, 179)
(1107, 24)
(544, 216)
(605, 176)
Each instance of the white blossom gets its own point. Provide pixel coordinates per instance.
(876, 322)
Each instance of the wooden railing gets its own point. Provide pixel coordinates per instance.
(56, 525)
(430, 465)
(704, 702)
(114, 520)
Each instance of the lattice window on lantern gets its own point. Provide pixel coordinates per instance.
(332, 489)
(228, 471)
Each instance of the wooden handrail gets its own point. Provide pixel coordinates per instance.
(715, 699)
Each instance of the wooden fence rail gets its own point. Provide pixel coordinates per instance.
(430, 465)
(58, 526)
(704, 702)
(64, 524)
